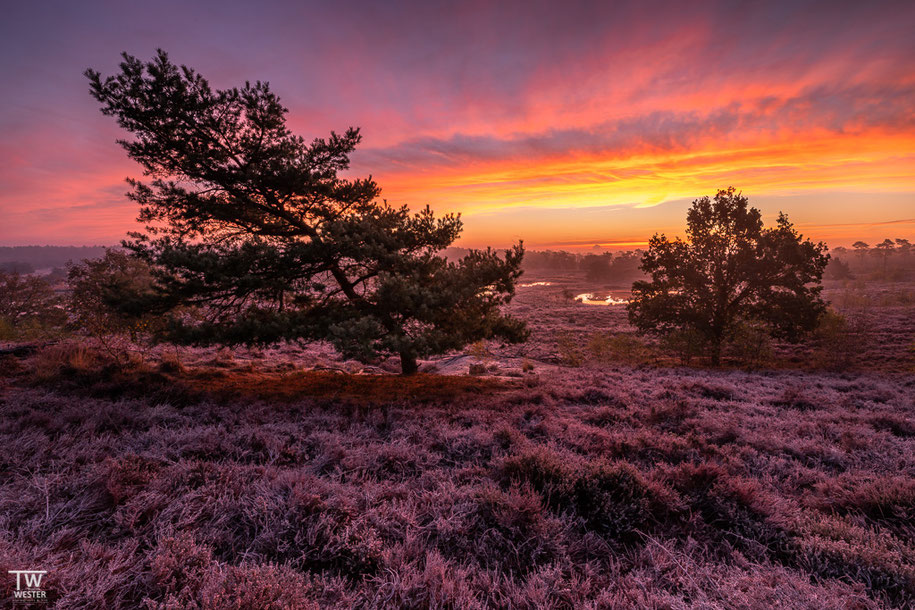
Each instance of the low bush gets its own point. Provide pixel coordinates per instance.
(601, 348)
(29, 308)
(750, 343)
(612, 498)
(66, 359)
(616, 347)
(685, 344)
(571, 352)
(840, 340)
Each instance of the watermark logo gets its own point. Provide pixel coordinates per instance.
(28, 587)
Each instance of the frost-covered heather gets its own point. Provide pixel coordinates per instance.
(566, 488)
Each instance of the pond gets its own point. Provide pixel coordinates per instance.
(589, 298)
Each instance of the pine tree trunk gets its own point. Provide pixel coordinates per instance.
(408, 365)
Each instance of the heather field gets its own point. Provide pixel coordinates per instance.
(587, 468)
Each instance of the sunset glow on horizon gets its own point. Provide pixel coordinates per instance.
(567, 126)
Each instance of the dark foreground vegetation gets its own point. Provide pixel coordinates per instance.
(600, 486)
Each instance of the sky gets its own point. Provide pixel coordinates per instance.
(565, 124)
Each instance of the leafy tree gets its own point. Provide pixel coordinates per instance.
(257, 230)
(730, 271)
(597, 267)
(29, 307)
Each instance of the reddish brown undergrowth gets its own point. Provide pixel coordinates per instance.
(77, 369)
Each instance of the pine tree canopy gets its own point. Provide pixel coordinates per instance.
(256, 236)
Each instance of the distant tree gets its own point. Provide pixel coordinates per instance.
(257, 230)
(625, 266)
(903, 246)
(838, 270)
(861, 248)
(550, 261)
(29, 307)
(884, 250)
(597, 267)
(730, 271)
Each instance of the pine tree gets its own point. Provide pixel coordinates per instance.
(256, 230)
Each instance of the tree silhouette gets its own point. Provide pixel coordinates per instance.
(861, 247)
(730, 270)
(257, 230)
(884, 250)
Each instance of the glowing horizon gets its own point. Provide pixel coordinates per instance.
(566, 127)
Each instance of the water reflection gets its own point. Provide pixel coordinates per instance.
(589, 298)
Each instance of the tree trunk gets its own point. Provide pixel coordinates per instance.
(408, 365)
(716, 351)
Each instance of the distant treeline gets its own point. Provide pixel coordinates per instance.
(26, 259)
(604, 267)
(891, 259)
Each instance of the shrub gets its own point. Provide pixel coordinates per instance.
(106, 300)
(832, 548)
(570, 350)
(65, 359)
(478, 351)
(840, 340)
(793, 397)
(179, 567)
(503, 530)
(750, 343)
(734, 510)
(613, 498)
(29, 308)
(257, 587)
(601, 348)
(185, 575)
(171, 363)
(616, 347)
(896, 425)
(887, 500)
(476, 369)
(685, 343)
